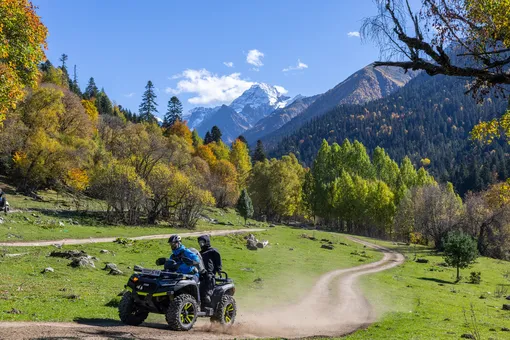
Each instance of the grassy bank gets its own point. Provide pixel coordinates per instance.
(421, 301)
(55, 218)
(286, 269)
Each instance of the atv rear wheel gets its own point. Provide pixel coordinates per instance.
(226, 311)
(182, 313)
(129, 312)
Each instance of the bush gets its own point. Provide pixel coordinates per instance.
(475, 277)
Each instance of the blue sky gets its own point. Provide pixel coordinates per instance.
(186, 47)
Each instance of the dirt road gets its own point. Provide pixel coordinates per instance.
(111, 239)
(334, 306)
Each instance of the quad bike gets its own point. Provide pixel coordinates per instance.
(177, 296)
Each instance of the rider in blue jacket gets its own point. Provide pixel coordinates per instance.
(187, 261)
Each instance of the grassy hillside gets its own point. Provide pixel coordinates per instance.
(421, 301)
(55, 218)
(287, 268)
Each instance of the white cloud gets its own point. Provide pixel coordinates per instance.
(129, 95)
(281, 89)
(209, 88)
(299, 66)
(228, 64)
(353, 35)
(254, 58)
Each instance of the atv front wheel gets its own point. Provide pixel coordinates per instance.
(182, 313)
(129, 312)
(226, 311)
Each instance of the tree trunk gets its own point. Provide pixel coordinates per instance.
(458, 274)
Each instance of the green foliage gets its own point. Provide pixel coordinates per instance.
(148, 108)
(430, 117)
(244, 205)
(459, 250)
(174, 112)
(259, 154)
(349, 192)
(91, 90)
(475, 278)
(216, 134)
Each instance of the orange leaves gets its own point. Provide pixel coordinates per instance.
(23, 38)
(77, 179)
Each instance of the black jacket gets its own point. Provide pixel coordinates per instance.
(210, 255)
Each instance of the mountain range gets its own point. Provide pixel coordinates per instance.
(262, 111)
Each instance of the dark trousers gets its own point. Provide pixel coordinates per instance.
(207, 285)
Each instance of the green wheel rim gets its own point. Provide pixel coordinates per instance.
(229, 313)
(187, 313)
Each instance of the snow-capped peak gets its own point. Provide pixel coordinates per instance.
(260, 94)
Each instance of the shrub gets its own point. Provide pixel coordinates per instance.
(475, 277)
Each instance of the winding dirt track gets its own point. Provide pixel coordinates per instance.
(335, 306)
(111, 239)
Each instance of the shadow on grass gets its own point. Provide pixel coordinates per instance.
(98, 322)
(436, 280)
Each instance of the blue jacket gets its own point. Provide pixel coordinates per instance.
(177, 256)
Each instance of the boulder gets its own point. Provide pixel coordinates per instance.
(115, 272)
(68, 254)
(258, 280)
(84, 261)
(14, 311)
(467, 336)
(508, 297)
(104, 251)
(272, 225)
(422, 261)
(61, 224)
(48, 270)
(504, 329)
(110, 266)
(506, 307)
(327, 246)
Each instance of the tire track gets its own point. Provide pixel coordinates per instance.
(335, 306)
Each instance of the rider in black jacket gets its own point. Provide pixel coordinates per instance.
(212, 263)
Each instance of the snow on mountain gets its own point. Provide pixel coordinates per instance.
(259, 94)
(254, 104)
(197, 115)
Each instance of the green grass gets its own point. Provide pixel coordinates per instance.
(55, 218)
(421, 301)
(286, 274)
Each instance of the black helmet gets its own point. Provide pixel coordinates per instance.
(174, 239)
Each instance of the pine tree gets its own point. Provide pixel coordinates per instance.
(74, 84)
(148, 108)
(242, 139)
(173, 113)
(104, 104)
(259, 155)
(91, 90)
(216, 134)
(65, 74)
(460, 250)
(244, 206)
(208, 138)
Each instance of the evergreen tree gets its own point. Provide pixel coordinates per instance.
(173, 113)
(244, 206)
(63, 67)
(104, 104)
(46, 66)
(242, 139)
(259, 155)
(74, 84)
(216, 134)
(208, 138)
(148, 108)
(91, 90)
(197, 141)
(460, 250)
